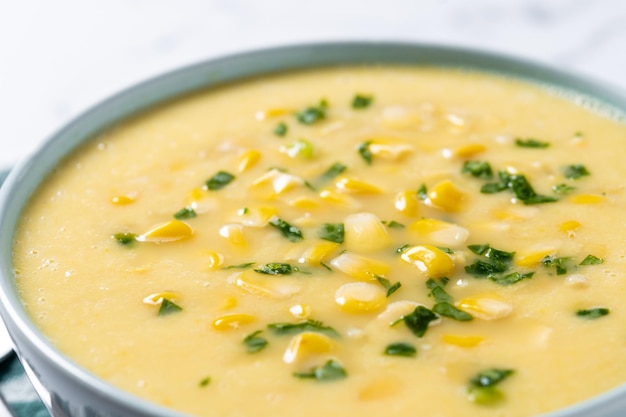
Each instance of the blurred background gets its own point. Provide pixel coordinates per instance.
(57, 58)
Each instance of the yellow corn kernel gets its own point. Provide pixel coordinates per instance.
(256, 216)
(214, 259)
(234, 234)
(170, 231)
(486, 307)
(248, 160)
(338, 199)
(269, 113)
(586, 199)
(364, 232)
(358, 266)
(441, 232)
(157, 298)
(466, 151)
(462, 341)
(278, 181)
(531, 259)
(406, 203)
(307, 346)
(430, 260)
(360, 297)
(232, 321)
(123, 200)
(229, 302)
(354, 186)
(317, 253)
(569, 226)
(446, 196)
(194, 196)
(304, 203)
(257, 284)
(390, 151)
(301, 311)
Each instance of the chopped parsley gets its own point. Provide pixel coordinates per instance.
(168, 307)
(219, 181)
(562, 189)
(418, 320)
(204, 382)
(485, 268)
(592, 260)
(483, 388)
(446, 250)
(478, 169)
(437, 292)
(254, 343)
(559, 264)
(510, 279)
(276, 269)
(401, 349)
(185, 213)
(305, 326)
(446, 309)
(491, 253)
(422, 192)
(519, 185)
(364, 151)
(240, 266)
(281, 129)
(576, 171)
(335, 170)
(290, 232)
(393, 224)
(300, 148)
(361, 101)
(313, 114)
(402, 248)
(332, 231)
(387, 285)
(331, 370)
(531, 143)
(125, 238)
(593, 313)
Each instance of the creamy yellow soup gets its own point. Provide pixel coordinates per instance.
(351, 241)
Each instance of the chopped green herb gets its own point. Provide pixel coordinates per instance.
(437, 292)
(401, 349)
(335, 170)
(560, 264)
(125, 238)
(483, 389)
(219, 181)
(204, 382)
(300, 148)
(592, 260)
(332, 231)
(484, 268)
(387, 285)
(185, 213)
(562, 189)
(575, 171)
(519, 185)
(254, 343)
(531, 143)
(418, 320)
(448, 310)
(578, 133)
(331, 370)
(364, 151)
(593, 313)
(491, 253)
(243, 211)
(313, 114)
(446, 250)
(510, 279)
(240, 266)
(422, 192)
(393, 224)
(326, 266)
(168, 307)
(290, 232)
(361, 101)
(490, 377)
(305, 326)
(281, 129)
(275, 269)
(478, 169)
(402, 248)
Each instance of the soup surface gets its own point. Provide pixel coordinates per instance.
(351, 241)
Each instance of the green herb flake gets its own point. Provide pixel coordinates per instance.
(486, 268)
(254, 343)
(593, 313)
(125, 239)
(305, 326)
(168, 307)
(361, 101)
(331, 231)
(290, 232)
(483, 389)
(491, 253)
(560, 264)
(240, 266)
(401, 349)
(393, 224)
(592, 260)
(519, 185)
(510, 279)
(478, 169)
(313, 114)
(331, 370)
(575, 171)
(562, 189)
(446, 250)
(204, 382)
(418, 320)
(402, 248)
(276, 269)
(219, 181)
(185, 213)
(300, 148)
(281, 129)
(364, 151)
(422, 192)
(531, 143)
(437, 292)
(446, 309)
(331, 173)
(243, 211)
(387, 285)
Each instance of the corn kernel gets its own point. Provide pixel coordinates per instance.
(586, 199)
(214, 259)
(469, 150)
(487, 307)
(569, 226)
(234, 234)
(229, 302)
(364, 232)
(269, 113)
(441, 232)
(532, 258)
(248, 160)
(279, 182)
(406, 203)
(338, 199)
(170, 231)
(307, 346)
(430, 260)
(354, 186)
(301, 311)
(360, 297)
(157, 298)
(123, 200)
(257, 284)
(462, 341)
(390, 151)
(317, 253)
(256, 216)
(232, 321)
(304, 203)
(446, 196)
(358, 266)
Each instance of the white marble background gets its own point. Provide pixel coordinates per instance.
(58, 57)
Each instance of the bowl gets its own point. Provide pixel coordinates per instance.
(69, 390)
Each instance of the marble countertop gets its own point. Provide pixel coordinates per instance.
(57, 58)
